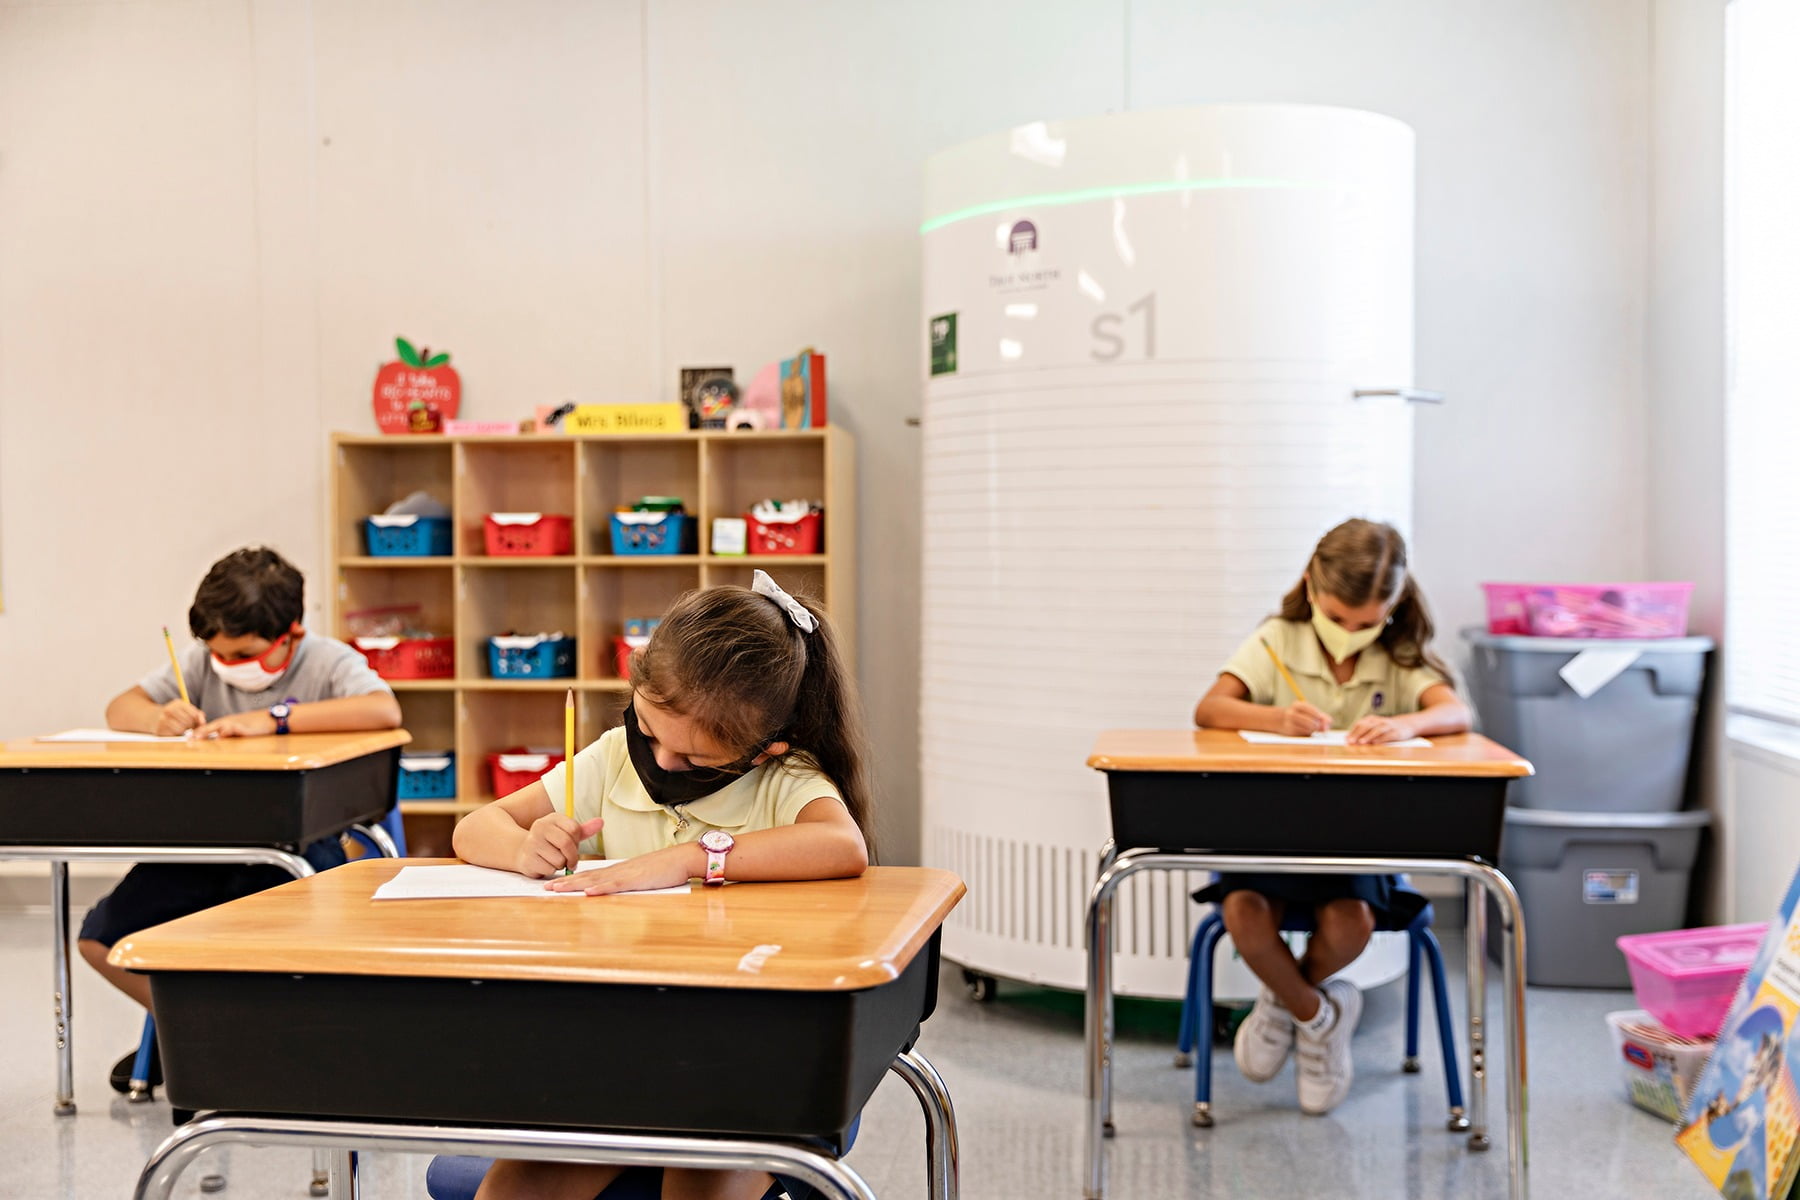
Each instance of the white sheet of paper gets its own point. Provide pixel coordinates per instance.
(463, 882)
(1333, 737)
(1592, 670)
(105, 735)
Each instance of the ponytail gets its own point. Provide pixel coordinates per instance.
(827, 729)
(1407, 637)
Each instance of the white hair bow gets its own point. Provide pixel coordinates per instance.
(762, 585)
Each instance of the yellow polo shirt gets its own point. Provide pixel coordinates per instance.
(1379, 686)
(606, 785)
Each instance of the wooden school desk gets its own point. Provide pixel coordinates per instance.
(230, 800)
(1209, 800)
(742, 1026)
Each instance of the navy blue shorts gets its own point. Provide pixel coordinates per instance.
(152, 893)
(1393, 903)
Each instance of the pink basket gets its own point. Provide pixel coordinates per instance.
(1589, 610)
(1685, 978)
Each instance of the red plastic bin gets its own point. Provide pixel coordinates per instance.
(1686, 978)
(800, 536)
(409, 658)
(518, 766)
(528, 535)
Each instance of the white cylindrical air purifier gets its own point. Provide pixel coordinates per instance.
(1146, 338)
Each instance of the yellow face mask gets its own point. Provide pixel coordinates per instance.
(1339, 642)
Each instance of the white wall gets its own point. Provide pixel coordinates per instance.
(1684, 491)
(215, 216)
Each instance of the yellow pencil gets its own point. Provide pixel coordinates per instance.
(176, 663)
(569, 761)
(1282, 667)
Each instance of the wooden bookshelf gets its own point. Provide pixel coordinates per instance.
(470, 596)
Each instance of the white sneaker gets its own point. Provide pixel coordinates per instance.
(1265, 1039)
(1326, 1069)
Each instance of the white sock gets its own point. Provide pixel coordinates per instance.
(1321, 1021)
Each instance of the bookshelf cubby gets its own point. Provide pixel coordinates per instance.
(470, 596)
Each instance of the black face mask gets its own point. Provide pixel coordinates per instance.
(676, 787)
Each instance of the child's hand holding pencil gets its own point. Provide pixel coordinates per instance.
(1299, 719)
(177, 716)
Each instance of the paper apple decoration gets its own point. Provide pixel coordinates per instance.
(418, 393)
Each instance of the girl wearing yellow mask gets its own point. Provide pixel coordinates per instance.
(1354, 633)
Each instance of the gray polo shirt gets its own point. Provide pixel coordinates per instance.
(322, 669)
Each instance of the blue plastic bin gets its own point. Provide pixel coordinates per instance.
(651, 533)
(428, 776)
(531, 657)
(408, 536)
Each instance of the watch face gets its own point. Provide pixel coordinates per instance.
(279, 712)
(717, 840)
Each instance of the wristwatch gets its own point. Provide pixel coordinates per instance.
(281, 712)
(717, 844)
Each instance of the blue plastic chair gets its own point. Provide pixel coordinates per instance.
(458, 1176)
(370, 837)
(1197, 1006)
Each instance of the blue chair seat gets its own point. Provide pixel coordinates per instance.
(457, 1176)
(1197, 1003)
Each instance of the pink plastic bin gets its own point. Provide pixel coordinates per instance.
(1589, 610)
(1685, 978)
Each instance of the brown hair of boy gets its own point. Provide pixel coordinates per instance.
(1361, 562)
(733, 662)
(250, 591)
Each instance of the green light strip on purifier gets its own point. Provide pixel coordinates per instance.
(1100, 193)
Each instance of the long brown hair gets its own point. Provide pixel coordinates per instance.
(735, 663)
(1361, 562)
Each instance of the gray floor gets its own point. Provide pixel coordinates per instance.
(1015, 1070)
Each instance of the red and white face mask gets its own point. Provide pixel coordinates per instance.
(255, 674)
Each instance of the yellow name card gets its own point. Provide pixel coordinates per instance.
(627, 418)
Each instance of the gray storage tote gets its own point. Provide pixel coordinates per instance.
(1624, 748)
(1586, 878)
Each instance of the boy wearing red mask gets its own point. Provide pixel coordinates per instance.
(253, 671)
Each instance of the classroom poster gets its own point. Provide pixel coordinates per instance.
(1744, 1114)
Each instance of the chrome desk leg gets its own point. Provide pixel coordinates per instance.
(942, 1154)
(1475, 931)
(1099, 1025)
(1109, 854)
(1099, 1002)
(64, 1002)
(1512, 965)
(835, 1179)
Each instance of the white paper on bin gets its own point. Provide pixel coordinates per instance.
(1592, 670)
